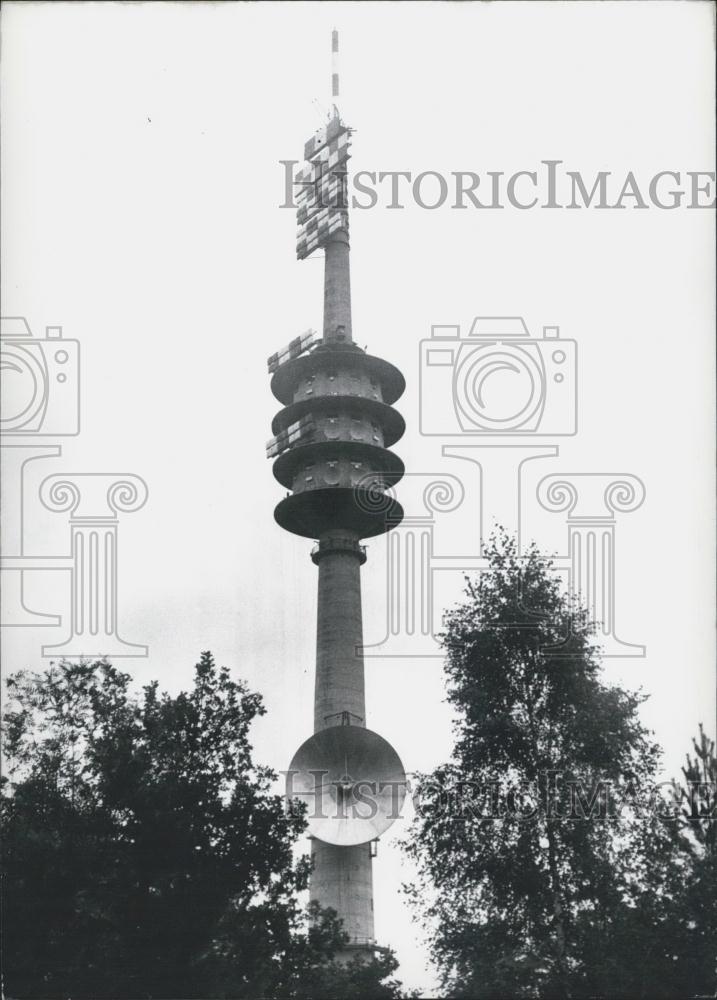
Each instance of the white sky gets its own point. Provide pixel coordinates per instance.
(141, 185)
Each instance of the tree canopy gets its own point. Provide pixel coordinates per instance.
(548, 866)
(145, 854)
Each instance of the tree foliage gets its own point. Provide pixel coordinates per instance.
(546, 865)
(144, 852)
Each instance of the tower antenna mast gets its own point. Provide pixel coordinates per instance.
(335, 72)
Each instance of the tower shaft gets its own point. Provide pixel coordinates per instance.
(343, 879)
(337, 290)
(339, 687)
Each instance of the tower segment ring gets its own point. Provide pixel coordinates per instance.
(382, 461)
(314, 512)
(391, 421)
(287, 377)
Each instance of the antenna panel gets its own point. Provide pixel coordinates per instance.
(321, 198)
(293, 349)
(294, 433)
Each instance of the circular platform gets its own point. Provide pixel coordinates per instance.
(379, 460)
(390, 420)
(287, 377)
(366, 512)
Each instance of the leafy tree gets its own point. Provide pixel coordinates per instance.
(698, 797)
(665, 943)
(698, 899)
(543, 868)
(144, 853)
(357, 979)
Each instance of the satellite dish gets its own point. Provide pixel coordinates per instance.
(353, 784)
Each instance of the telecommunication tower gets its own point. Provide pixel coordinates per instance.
(331, 452)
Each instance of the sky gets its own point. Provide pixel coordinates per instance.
(142, 185)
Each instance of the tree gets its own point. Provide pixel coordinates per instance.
(360, 978)
(698, 900)
(671, 923)
(144, 853)
(542, 861)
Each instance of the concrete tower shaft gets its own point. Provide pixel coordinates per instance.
(342, 877)
(343, 880)
(337, 290)
(339, 688)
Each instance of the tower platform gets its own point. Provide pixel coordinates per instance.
(316, 512)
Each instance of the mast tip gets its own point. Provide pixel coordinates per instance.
(335, 67)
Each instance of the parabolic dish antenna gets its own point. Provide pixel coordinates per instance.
(353, 784)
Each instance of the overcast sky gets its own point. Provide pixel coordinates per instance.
(141, 193)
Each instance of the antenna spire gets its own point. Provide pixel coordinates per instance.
(335, 71)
